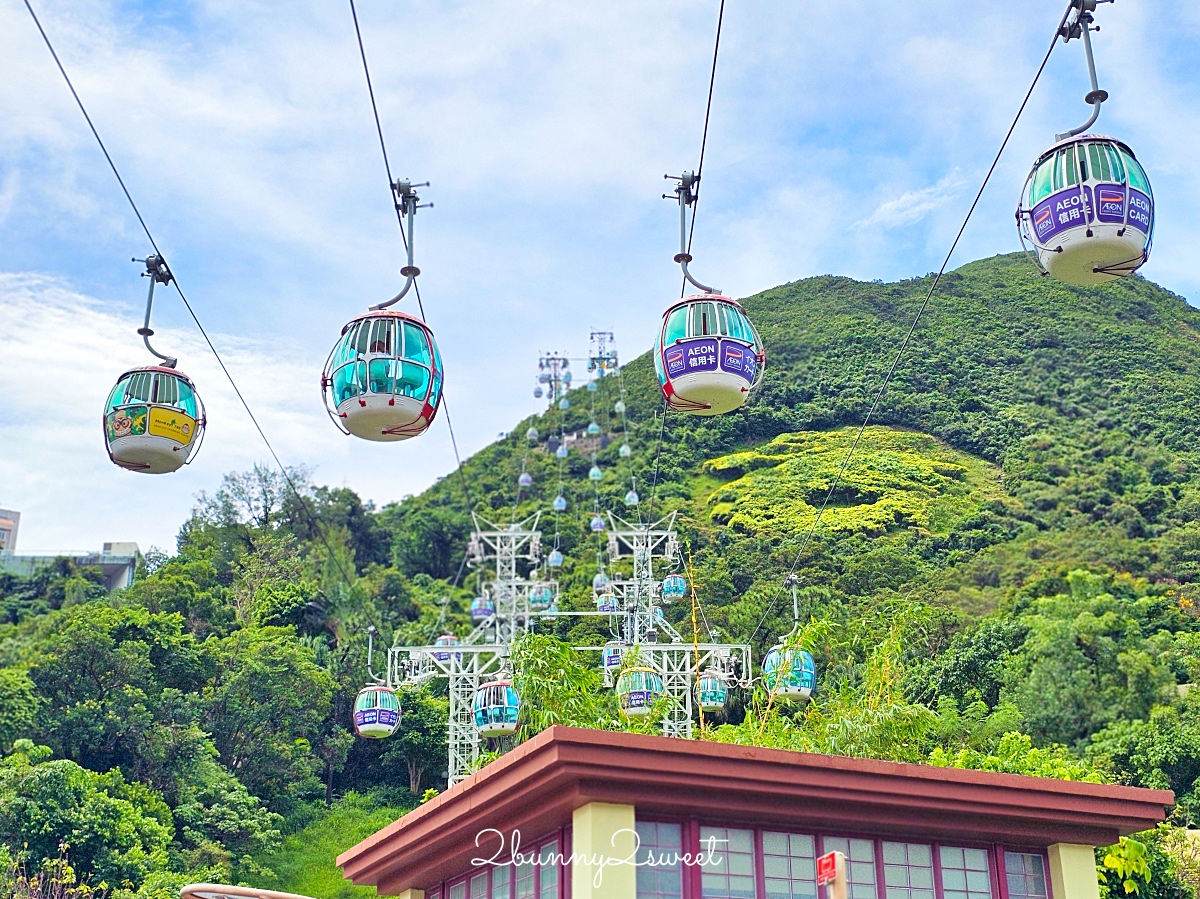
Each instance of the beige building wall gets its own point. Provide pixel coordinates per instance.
(1073, 871)
(602, 849)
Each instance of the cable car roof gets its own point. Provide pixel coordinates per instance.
(703, 298)
(1080, 138)
(384, 313)
(159, 368)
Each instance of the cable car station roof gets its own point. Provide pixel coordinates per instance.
(538, 785)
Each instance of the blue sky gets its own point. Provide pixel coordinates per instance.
(847, 137)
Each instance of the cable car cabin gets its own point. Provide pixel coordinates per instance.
(376, 712)
(612, 655)
(446, 640)
(555, 559)
(153, 420)
(674, 586)
(600, 581)
(711, 692)
(497, 709)
(637, 691)
(789, 674)
(1088, 210)
(709, 356)
(383, 380)
(540, 597)
(607, 603)
(482, 608)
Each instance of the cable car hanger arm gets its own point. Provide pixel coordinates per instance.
(1082, 27)
(158, 271)
(407, 206)
(686, 196)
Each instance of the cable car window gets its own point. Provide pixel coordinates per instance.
(138, 390)
(380, 376)
(1137, 177)
(1114, 160)
(676, 326)
(412, 380)
(346, 353)
(381, 337)
(187, 399)
(1072, 173)
(416, 344)
(437, 358)
(1100, 170)
(361, 340)
(1083, 169)
(739, 327)
(704, 319)
(166, 390)
(1043, 182)
(658, 369)
(117, 396)
(344, 385)
(1058, 169)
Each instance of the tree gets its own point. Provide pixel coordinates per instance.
(419, 743)
(264, 708)
(116, 685)
(18, 706)
(114, 831)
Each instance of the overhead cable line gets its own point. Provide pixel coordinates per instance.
(403, 237)
(192, 312)
(913, 327)
(712, 80)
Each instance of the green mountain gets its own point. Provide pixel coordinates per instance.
(1005, 577)
(1030, 426)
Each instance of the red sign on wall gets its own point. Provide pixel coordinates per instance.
(827, 868)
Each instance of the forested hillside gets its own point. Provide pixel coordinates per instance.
(1005, 578)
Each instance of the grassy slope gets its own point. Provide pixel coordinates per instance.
(304, 864)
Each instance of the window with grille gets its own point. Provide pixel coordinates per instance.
(729, 872)
(908, 870)
(789, 865)
(660, 871)
(860, 865)
(965, 873)
(1025, 873)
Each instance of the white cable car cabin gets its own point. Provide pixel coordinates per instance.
(1087, 209)
(383, 380)
(709, 356)
(497, 709)
(711, 692)
(789, 674)
(153, 420)
(637, 691)
(376, 712)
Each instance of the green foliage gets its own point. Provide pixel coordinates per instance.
(304, 863)
(557, 685)
(115, 832)
(18, 706)
(1124, 864)
(1016, 754)
(418, 747)
(1161, 752)
(264, 707)
(897, 480)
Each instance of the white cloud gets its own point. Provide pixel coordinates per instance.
(913, 205)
